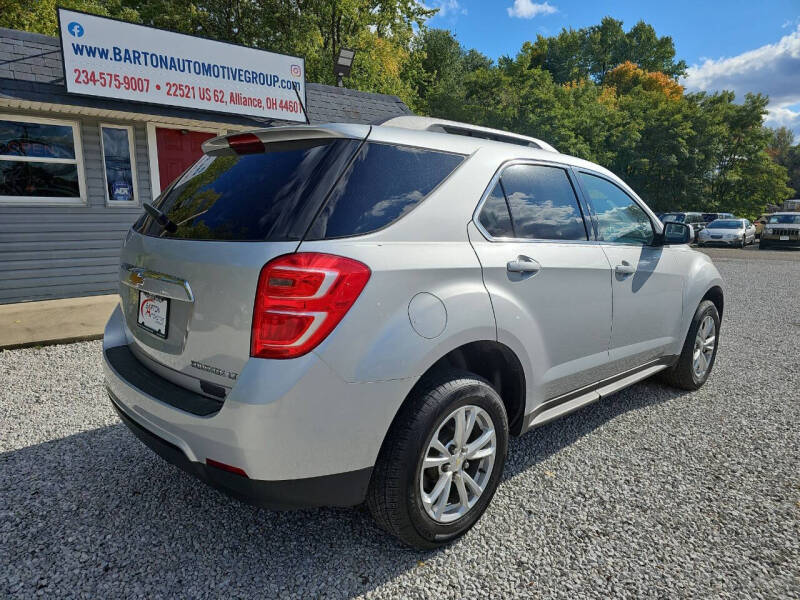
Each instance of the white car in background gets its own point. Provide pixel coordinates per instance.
(727, 232)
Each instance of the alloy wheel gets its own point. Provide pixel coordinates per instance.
(704, 344)
(458, 463)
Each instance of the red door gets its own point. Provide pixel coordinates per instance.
(177, 150)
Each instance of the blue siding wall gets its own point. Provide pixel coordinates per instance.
(65, 251)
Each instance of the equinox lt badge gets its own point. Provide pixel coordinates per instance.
(214, 370)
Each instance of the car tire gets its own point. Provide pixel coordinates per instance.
(397, 496)
(744, 242)
(684, 373)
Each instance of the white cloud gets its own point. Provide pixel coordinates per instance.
(773, 70)
(448, 8)
(783, 116)
(525, 9)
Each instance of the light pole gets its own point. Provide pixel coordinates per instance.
(344, 62)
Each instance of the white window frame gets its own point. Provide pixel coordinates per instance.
(77, 161)
(152, 150)
(137, 201)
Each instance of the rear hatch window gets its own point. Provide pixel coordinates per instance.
(269, 196)
(319, 189)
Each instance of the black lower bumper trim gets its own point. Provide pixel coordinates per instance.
(123, 361)
(341, 489)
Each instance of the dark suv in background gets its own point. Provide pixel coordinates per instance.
(694, 220)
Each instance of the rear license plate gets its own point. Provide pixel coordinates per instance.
(784, 238)
(153, 314)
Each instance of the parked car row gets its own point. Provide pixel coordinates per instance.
(725, 229)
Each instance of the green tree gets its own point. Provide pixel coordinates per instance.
(564, 56)
(738, 142)
(39, 16)
(596, 50)
(780, 144)
(781, 149)
(642, 46)
(792, 166)
(445, 64)
(380, 31)
(603, 46)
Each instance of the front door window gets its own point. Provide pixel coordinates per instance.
(619, 218)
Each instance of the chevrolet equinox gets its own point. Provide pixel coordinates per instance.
(338, 314)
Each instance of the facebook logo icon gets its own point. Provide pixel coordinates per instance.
(75, 29)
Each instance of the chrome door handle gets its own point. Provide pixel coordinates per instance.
(523, 265)
(625, 269)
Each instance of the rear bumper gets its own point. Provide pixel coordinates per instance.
(341, 489)
(303, 436)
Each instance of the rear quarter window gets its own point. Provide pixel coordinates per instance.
(384, 183)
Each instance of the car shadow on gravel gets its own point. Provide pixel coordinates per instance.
(539, 444)
(101, 511)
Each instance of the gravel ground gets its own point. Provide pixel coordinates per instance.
(752, 252)
(652, 493)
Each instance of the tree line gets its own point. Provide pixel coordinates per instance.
(601, 93)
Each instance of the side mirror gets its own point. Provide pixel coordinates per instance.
(677, 233)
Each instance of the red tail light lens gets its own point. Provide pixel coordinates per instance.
(300, 299)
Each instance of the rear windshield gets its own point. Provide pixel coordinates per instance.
(276, 195)
(272, 195)
(718, 224)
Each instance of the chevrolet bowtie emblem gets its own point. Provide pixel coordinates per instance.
(136, 278)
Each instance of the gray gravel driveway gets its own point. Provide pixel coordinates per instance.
(652, 493)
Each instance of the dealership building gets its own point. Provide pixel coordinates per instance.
(75, 168)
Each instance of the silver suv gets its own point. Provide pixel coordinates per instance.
(327, 315)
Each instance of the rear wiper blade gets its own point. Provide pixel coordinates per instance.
(194, 216)
(160, 218)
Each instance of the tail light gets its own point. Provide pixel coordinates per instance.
(300, 299)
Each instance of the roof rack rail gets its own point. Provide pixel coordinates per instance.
(456, 128)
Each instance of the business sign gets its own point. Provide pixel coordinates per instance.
(112, 59)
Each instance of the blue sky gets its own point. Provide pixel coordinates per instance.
(744, 46)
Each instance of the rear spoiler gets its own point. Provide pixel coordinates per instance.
(256, 140)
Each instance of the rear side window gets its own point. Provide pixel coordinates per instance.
(494, 215)
(543, 204)
(384, 183)
(272, 195)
